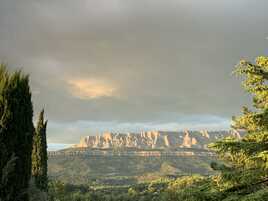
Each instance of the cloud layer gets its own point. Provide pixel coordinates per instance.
(132, 61)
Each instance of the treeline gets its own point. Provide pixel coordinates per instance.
(23, 155)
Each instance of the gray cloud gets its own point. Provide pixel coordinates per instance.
(164, 57)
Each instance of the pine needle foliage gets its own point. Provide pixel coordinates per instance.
(247, 158)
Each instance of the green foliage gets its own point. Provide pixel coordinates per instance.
(16, 132)
(247, 158)
(6, 172)
(189, 188)
(35, 194)
(39, 154)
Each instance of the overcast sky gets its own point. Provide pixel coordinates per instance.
(131, 65)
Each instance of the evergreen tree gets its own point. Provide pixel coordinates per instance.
(16, 133)
(247, 158)
(39, 154)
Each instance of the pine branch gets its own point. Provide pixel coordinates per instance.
(244, 186)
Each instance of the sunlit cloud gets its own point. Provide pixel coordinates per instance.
(91, 88)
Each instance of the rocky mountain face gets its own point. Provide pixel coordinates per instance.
(155, 139)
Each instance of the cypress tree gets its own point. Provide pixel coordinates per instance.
(39, 154)
(247, 158)
(16, 133)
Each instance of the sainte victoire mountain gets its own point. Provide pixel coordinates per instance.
(155, 139)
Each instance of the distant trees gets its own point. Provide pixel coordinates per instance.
(248, 157)
(16, 134)
(39, 154)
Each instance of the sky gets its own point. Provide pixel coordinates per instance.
(132, 65)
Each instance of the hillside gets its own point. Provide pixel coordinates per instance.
(130, 158)
(114, 170)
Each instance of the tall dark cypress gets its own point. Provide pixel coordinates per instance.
(39, 154)
(16, 133)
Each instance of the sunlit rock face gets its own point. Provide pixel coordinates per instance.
(155, 139)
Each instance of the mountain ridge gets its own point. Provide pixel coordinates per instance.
(155, 139)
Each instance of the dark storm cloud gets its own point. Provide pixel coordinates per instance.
(156, 58)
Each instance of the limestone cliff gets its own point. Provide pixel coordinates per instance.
(155, 139)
